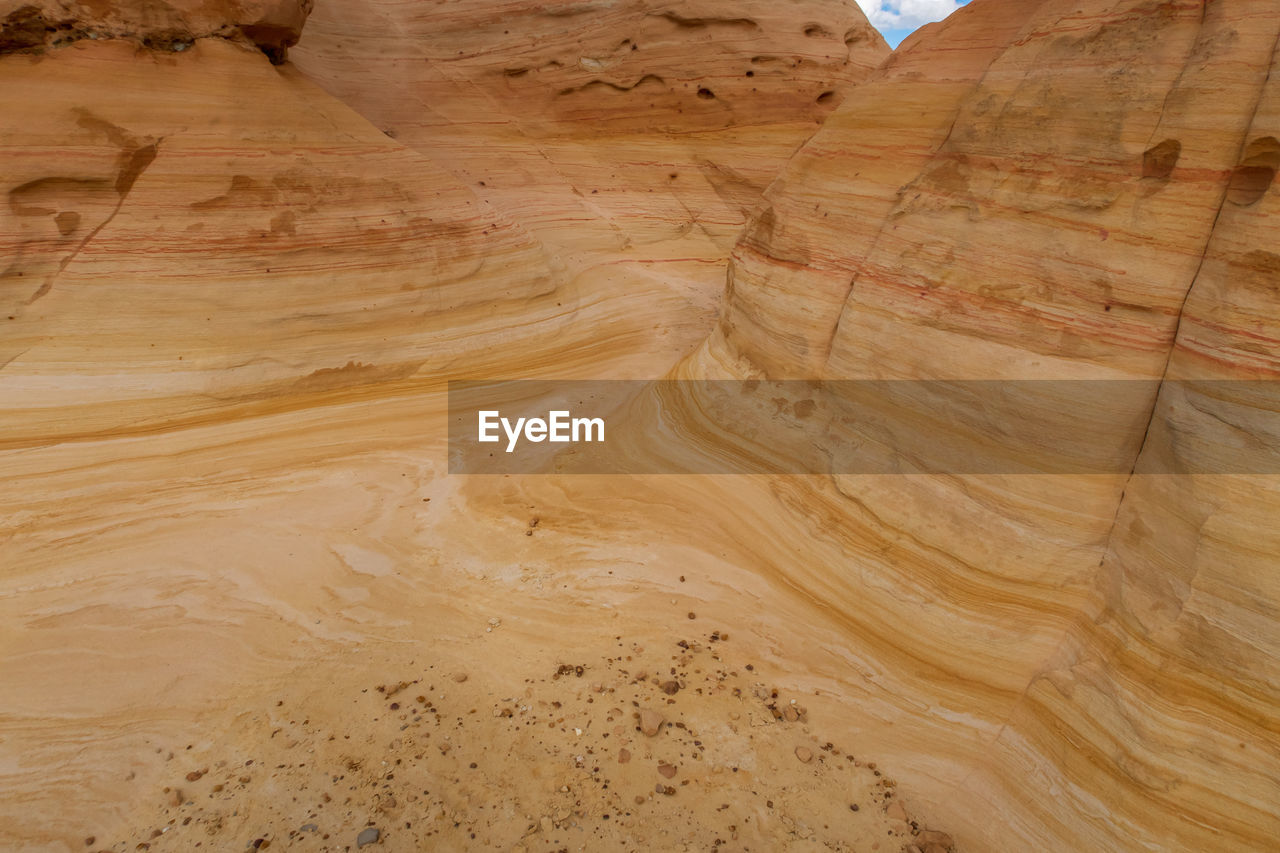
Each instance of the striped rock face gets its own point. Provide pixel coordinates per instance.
(230, 302)
(1033, 191)
(243, 601)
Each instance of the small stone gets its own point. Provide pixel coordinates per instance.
(194, 775)
(668, 771)
(459, 677)
(367, 836)
(670, 688)
(546, 824)
(650, 722)
(309, 827)
(804, 754)
(693, 615)
(932, 836)
(624, 755)
(791, 714)
(895, 811)
(88, 842)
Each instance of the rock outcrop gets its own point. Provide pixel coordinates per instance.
(591, 67)
(633, 139)
(32, 26)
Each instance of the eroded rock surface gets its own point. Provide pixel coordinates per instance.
(235, 570)
(32, 26)
(1032, 192)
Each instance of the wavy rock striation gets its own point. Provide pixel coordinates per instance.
(1028, 192)
(230, 552)
(229, 304)
(634, 139)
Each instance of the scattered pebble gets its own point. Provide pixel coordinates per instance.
(594, 716)
(650, 722)
(932, 836)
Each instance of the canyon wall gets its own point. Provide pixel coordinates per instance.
(1031, 192)
(230, 303)
(633, 139)
(233, 288)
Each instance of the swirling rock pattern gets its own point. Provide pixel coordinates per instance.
(239, 587)
(1030, 192)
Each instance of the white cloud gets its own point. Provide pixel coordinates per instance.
(906, 14)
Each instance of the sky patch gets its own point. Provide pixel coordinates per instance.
(897, 19)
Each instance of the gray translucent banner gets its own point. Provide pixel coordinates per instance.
(865, 427)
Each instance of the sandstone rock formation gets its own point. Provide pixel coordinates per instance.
(244, 602)
(632, 138)
(36, 25)
(1030, 192)
(230, 303)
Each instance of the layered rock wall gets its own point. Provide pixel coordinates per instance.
(230, 303)
(33, 26)
(1030, 192)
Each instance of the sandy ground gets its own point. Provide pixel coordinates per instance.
(530, 681)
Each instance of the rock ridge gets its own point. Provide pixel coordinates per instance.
(36, 26)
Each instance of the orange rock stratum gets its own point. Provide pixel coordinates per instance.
(244, 604)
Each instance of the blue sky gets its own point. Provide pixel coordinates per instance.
(897, 19)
